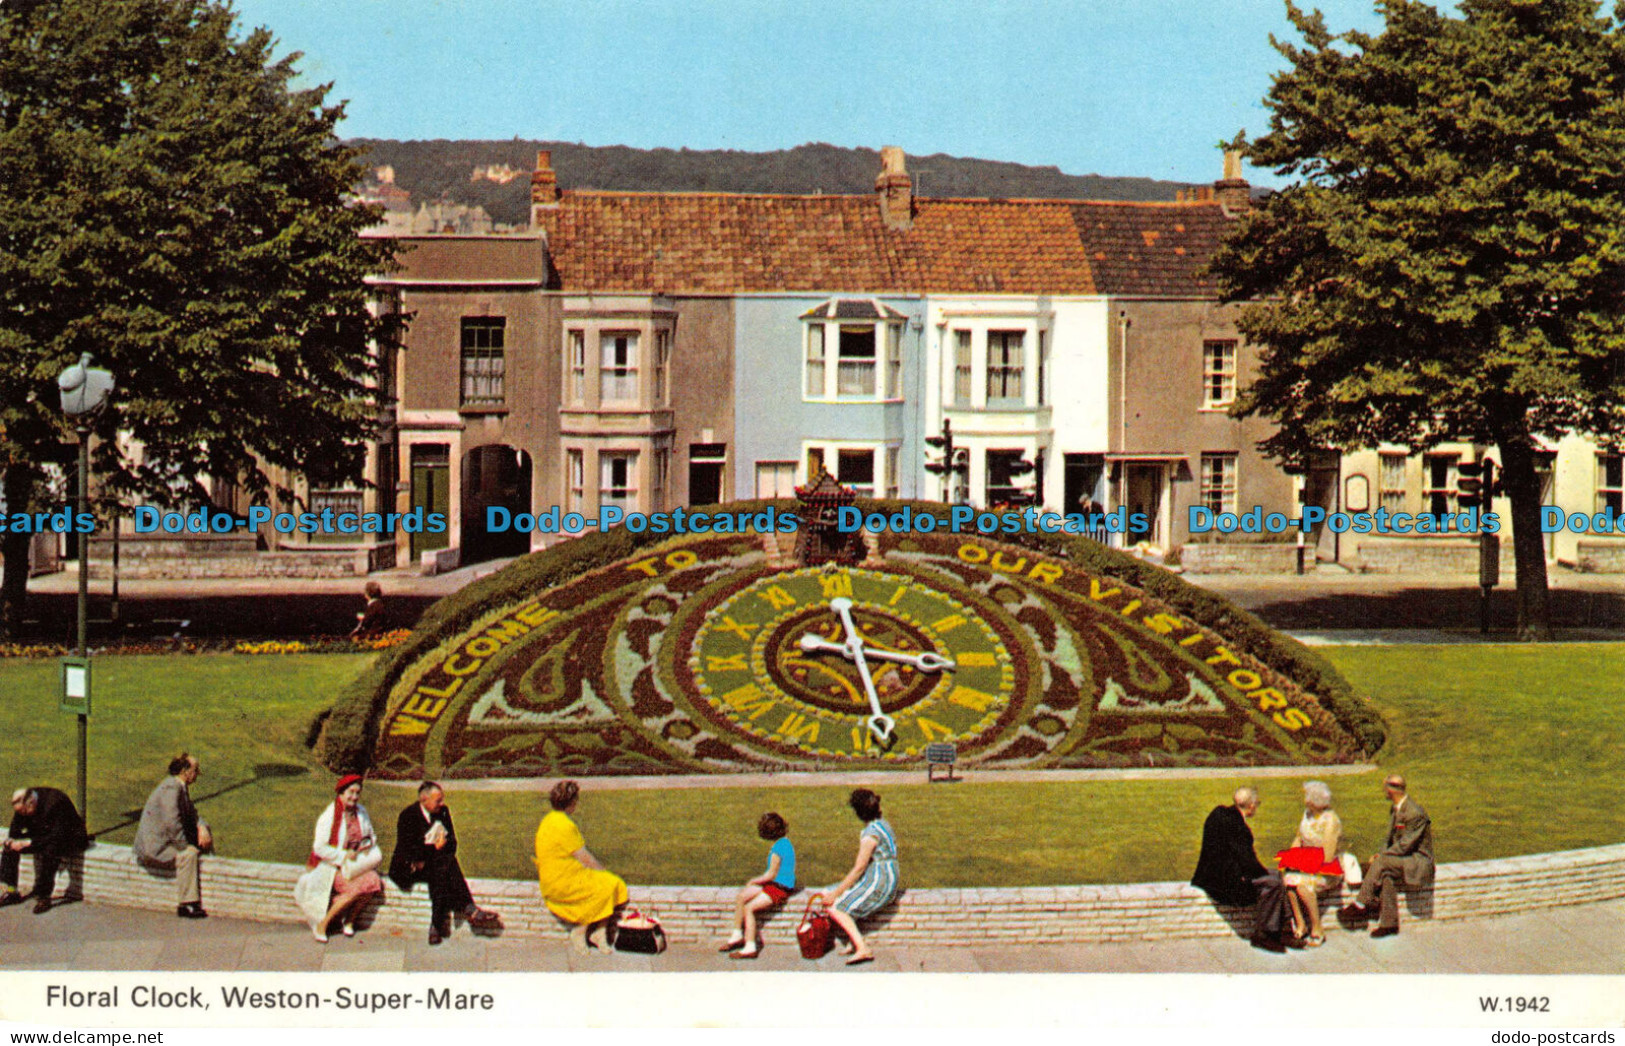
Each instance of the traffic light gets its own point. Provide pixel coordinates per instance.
(1476, 485)
(954, 463)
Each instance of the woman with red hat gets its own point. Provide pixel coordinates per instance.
(343, 864)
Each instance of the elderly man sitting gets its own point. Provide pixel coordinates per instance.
(45, 823)
(171, 836)
(1230, 873)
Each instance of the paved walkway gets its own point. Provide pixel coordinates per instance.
(1583, 939)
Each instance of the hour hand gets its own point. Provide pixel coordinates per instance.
(924, 661)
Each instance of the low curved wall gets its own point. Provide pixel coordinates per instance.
(263, 891)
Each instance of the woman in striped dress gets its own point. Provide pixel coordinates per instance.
(872, 882)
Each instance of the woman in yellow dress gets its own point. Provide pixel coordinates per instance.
(574, 884)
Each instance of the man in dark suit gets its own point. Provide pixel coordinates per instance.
(426, 852)
(44, 823)
(1407, 859)
(1229, 871)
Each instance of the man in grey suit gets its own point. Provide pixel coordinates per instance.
(1407, 859)
(171, 836)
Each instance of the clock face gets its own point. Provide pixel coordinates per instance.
(716, 654)
(751, 666)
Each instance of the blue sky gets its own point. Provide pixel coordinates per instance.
(1136, 87)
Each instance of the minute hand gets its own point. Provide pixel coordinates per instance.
(880, 724)
(925, 661)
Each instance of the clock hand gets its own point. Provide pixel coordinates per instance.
(924, 661)
(880, 724)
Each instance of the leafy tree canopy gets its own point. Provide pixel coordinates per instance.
(173, 205)
(1450, 262)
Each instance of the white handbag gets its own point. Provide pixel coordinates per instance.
(1351, 868)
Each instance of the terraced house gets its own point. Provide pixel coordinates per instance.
(651, 350)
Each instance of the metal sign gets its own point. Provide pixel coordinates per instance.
(76, 685)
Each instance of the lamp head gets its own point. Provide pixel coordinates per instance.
(84, 388)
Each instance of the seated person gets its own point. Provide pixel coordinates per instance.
(768, 890)
(426, 852)
(1229, 871)
(575, 886)
(45, 823)
(1320, 827)
(170, 835)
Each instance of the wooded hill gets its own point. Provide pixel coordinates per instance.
(440, 169)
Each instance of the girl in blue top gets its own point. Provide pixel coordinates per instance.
(767, 890)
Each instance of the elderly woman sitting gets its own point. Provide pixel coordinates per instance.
(1321, 827)
(574, 884)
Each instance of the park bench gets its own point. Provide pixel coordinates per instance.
(940, 754)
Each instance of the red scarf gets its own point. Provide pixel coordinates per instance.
(332, 836)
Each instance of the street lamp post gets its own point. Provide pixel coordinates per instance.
(84, 392)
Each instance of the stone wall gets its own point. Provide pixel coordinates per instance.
(1030, 915)
(221, 556)
(1600, 557)
(1226, 558)
(1422, 556)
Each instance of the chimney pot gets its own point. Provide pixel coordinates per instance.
(544, 186)
(1232, 191)
(895, 190)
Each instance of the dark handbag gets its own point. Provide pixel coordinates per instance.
(815, 930)
(639, 933)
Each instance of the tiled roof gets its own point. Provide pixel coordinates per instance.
(1148, 248)
(712, 243)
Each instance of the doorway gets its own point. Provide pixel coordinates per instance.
(705, 464)
(1143, 487)
(431, 491)
(495, 475)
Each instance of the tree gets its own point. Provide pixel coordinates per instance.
(171, 204)
(1449, 261)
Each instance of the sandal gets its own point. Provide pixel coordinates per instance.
(1314, 940)
(859, 960)
(746, 953)
(734, 944)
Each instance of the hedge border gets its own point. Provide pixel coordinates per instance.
(349, 733)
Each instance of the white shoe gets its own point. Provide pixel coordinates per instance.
(321, 938)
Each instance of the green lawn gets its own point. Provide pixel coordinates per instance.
(1513, 749)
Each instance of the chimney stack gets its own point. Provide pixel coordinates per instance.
(895, 190)
(544, 186)
(1234, 194)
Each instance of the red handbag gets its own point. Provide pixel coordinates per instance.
(815, 930)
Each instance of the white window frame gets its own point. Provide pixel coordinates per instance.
(964, 360)
(662, 364)
(576, 362)
(1218, 481)
(1219, 373)
(482, 372)
(1610, 489)
(782, 477)
(1391, 485)
(659, 478)
(1006, 370)
(822, 362)
(623, 496)
(1448, 491)
(575, 480)
(616, 379)
(885, 470)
